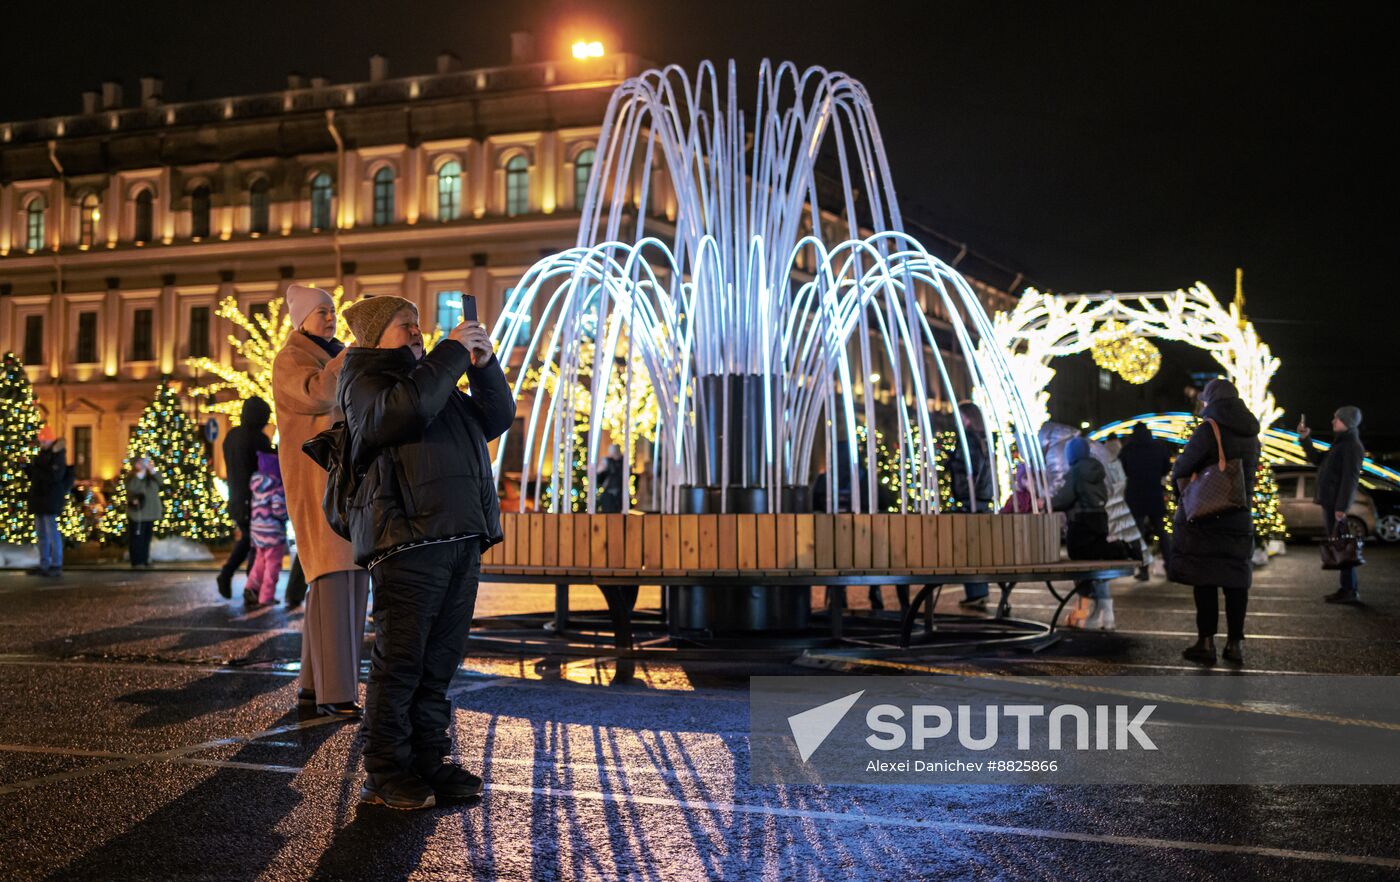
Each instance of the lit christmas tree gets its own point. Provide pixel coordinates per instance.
(19, 443)
(19, 431)
(168, 438)
(1268, 519)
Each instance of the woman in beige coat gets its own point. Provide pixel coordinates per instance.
(304, 376)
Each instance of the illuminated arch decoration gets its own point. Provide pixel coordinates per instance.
(764, 344)
(1044, 327)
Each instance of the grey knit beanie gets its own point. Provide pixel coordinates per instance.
(1350, 416)
(369, 317)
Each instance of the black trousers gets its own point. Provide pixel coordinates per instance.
(138, 535)
(296, 585)
(1208, 611)
(241, 549)
(423, 602)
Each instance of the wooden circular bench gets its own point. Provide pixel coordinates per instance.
(741, 550)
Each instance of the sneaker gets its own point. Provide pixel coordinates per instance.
(348, 710)
(1348, 597)
(451, 781)
(973, 603)
(36, 571)
(55, 573)
(402, 790)
(225, 583)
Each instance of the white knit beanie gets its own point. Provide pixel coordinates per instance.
(303, 300)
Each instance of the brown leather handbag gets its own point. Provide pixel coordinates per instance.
(1215, 489)
(1342, 550)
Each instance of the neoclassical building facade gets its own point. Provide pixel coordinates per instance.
(122, 227)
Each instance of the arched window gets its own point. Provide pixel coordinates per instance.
(199, 212)
(321, 195)
(257, 206)
(34, 223)
(145, 216)
(517, 186)
(583, 170)
(384, 196)
(449, 190)
(88, 215)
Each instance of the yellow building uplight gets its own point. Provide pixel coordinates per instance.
(584, 49)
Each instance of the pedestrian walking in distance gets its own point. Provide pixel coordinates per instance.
(305, 374)
(268, 525)
(50, 479)
(1215, 553)
(1338, 473)
(425, 510)
(143, 509)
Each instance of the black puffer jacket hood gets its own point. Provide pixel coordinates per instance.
(256, 413)
(1230, 413)
(423, 444)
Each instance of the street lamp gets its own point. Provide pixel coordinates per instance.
(584, 49)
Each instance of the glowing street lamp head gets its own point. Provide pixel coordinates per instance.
(588, 49)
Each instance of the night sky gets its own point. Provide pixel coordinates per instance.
(1092, 146)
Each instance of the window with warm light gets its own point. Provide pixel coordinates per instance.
(517, 186)
(383, 197)
(88, 215)
(449, 190)
(321, 196)
(34, 217)
(588, 49)
(200, 207)
(258, 206)
(583, 170)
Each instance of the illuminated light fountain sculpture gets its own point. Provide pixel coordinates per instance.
(768, 319)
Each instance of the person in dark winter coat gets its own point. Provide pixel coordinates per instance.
(421, 516)
(1338, 474)
(241, 448)
(1146, 461)
(1216, 553)
(50, 479)
(972, 489)
(1084, 497)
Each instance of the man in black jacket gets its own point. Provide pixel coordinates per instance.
(50, 479)
(1338, 473)
(242, 445)
(419, 519)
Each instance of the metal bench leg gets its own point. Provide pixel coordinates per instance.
(561, 608)
(1004, 607)
(1055, 619)
(929, 605)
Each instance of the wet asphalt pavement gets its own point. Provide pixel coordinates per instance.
(147, 731)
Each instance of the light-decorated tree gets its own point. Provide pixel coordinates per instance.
(264, 333)
(1268, 519)
(169, 439)
(19, 431)
(20, 422)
